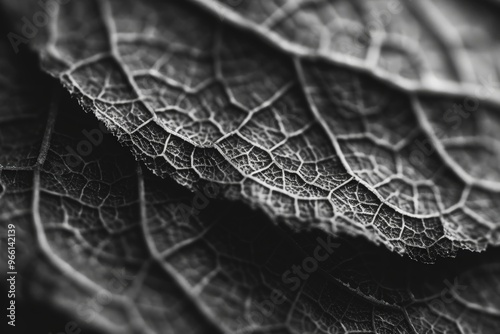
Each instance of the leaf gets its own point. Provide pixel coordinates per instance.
(125, 252)
(308, 139)
(414, 44)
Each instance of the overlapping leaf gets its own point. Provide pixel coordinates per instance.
(123, 252)
(312, 141)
